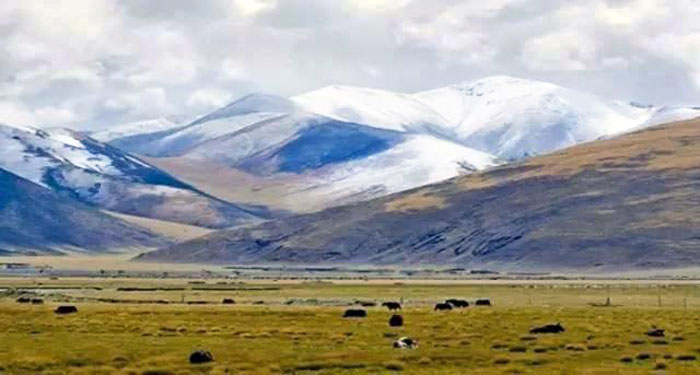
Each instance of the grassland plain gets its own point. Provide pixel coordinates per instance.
(298, 328)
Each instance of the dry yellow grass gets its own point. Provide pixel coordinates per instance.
(299, 329)
(667, 147)
(415, 202)
(176, 231)
(282, 192)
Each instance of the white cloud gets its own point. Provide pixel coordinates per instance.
(54, 116)
(16, 113)
(207, 99)
(106, 61)
(453, 33)
(20, 114)
(684, 48)
(147, 103)
(233, 69)
(560, 51)
(379, 6)
(249, 8)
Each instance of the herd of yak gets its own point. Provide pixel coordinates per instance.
(449, 304)
(395, 320)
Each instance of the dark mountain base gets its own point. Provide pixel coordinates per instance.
(626, 203)
(35, 220)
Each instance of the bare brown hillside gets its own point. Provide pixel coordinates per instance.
(629, 202)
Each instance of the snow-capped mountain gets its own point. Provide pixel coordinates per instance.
(378, 108)
(339, 144)
(664, 115)
(136, 128)
(515, 118)
(101, 175)
(319, 160)
(36, 220)
(414, 160)
(227, 121)
(509, 117)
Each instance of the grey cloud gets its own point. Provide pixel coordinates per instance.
(191, 49)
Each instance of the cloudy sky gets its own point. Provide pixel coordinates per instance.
(93, 63)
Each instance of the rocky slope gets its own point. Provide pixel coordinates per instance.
(622, 203)
(36, 220)
(98, 174)
(269, 150)
(243, 152)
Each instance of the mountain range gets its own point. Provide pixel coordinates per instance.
(608, 205)
(36, 220)
(103, 176)
(340, 144)
(266, 157)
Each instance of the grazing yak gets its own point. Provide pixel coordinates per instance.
(201, 356)
(443, 306)
(483, 302)
(392, 306)
(66, 309)
(355, 313)
(458, 303)
(405, 343)
(37, 301)
(228, 301)
(396, 321)
(656, 332)
(548, 328)
(24, 300)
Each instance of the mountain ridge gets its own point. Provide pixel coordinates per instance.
(36, 220)
(608, 205)
(98, 174)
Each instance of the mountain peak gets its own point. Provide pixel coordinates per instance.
(256, 102)
(495, 84)
(374, 107)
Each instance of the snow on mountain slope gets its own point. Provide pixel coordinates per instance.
(261, 136)
(194, 135)
(378, 108)
(303, 142)
(416, 161)
(317, 136)
(665, 115)
(509, 117)
(536, 216)
(135, 128)
(321, 160)
(253, 103)
(36, 220)
(236, 116)
(514, 118)
(98, 174)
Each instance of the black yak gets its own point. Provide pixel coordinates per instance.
(392, 306)
(443, 306)
(66, 309)
(355, 313)
(656, 332)
(458, 303)
(200, 356)
(548, 328)
(396, 321)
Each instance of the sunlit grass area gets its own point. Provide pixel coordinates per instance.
(278, 328)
